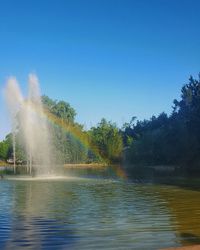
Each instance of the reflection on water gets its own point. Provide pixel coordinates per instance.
(184, 206)
(96, 213)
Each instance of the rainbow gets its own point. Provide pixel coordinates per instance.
(73, 130)
(82, 137)
(78, 135)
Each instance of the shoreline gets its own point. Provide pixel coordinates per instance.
(68, 165)
(85, 165)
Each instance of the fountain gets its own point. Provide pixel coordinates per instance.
(28, 118)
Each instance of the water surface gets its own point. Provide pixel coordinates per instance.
(99, 212)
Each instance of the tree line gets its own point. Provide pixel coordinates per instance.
(71, 143)
(161, 140)
(168, 139)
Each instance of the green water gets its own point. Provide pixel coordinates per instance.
(99, 212)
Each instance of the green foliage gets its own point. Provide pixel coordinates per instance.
(161, 140)
(168, 140)
(61, 109)
(66, 146)
(108, 140)
(6, 147)
(188, 113)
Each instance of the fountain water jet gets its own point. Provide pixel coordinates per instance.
(28, 119)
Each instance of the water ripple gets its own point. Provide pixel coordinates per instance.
(96, 214)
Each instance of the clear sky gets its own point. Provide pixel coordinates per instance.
(107, 58)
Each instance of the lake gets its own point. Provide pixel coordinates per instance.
(97, 209)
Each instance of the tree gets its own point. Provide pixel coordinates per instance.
(173, 139)
(6, 147)
(107, 138)
(188, 112)
(61, 109)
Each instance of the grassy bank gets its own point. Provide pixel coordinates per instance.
(3, 164)
(85, 165)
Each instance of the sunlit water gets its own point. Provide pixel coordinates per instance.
(99, 212)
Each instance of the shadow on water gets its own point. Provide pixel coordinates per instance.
(189, 238)
(190, 183)
(169, 177)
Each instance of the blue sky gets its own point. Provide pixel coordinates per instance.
(107, 58)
